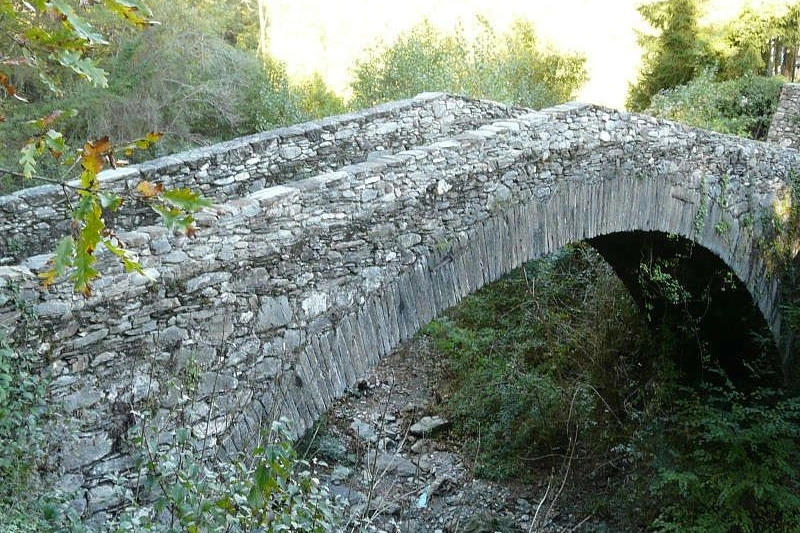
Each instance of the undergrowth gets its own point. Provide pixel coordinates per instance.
(554, 365)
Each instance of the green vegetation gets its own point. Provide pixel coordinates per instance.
(511, 68)
(23, 421)
(539, 357)
(268, 489)
(554, 368)
(672, 57)
(225, 90)
(742, 106)
(48, 46)
(728, 462)
(719, 77)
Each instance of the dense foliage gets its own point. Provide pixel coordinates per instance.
(512, 68)
(24, 433)
(674, 55)
(742, 106)
(538, 357)
(268, 489)
(681, 49)
(551, 364)
(554, 368)
(145, 83)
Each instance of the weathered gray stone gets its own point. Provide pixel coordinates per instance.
(82, 399)
(102, 497)
(205, 280)
(215, 382)
(315, 304)
(784, 128)
(274, 312)
(85, 450)
(364, 431)
(172, 336)
(143, 386)
(379, 463)
(407, 240)
(428, 426)
(81, 341)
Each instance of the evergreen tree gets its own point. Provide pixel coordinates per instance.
(675, 55)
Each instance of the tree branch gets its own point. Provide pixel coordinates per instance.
(52, 181)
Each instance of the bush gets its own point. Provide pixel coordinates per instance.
(731, 465)
(539, 357)
(672, 57)
(269, 489)
(223, 92)
(192, 77)
(23, 434)
(511, 68)
(743, 106)
(553, 363)
(316, 100)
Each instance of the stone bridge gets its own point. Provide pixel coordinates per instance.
(332, 242)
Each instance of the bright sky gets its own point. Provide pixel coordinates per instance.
(327, 36)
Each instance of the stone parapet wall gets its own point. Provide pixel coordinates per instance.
(33, 220)
(785, 126)
(291, 292)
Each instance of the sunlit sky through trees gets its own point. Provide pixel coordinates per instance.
(327, 36)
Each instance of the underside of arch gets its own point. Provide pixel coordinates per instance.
(689, 295)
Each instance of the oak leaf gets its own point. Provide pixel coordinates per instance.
(149, 189)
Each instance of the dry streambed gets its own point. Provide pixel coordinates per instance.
(390, 456)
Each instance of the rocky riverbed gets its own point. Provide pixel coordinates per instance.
(391, 458)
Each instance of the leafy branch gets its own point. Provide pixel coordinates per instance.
(52, 36)
(75, 253)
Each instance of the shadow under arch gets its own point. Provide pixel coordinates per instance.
(691, 298)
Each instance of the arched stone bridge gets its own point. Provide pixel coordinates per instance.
(332, 242)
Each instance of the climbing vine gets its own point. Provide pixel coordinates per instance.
(702, 209)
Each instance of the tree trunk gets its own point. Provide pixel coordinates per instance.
(263, 25)
(766, 57)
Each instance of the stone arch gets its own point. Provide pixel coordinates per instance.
(577, 210)
(580, 211)
(519, 188)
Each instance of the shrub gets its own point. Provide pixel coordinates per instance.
(23, 434)
(554, 361)
(269, 489)
(537, 357)
(675, 55)
(423, 59)
(316, 100)
(511, 68)
(191, 77)
(223, 92)
(731, 465)
(743, 106)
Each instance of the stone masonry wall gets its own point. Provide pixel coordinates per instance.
(292, 292)
(33, 220)
(785, 126)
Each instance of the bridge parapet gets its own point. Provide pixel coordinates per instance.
(292, 292)
(33, 220)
